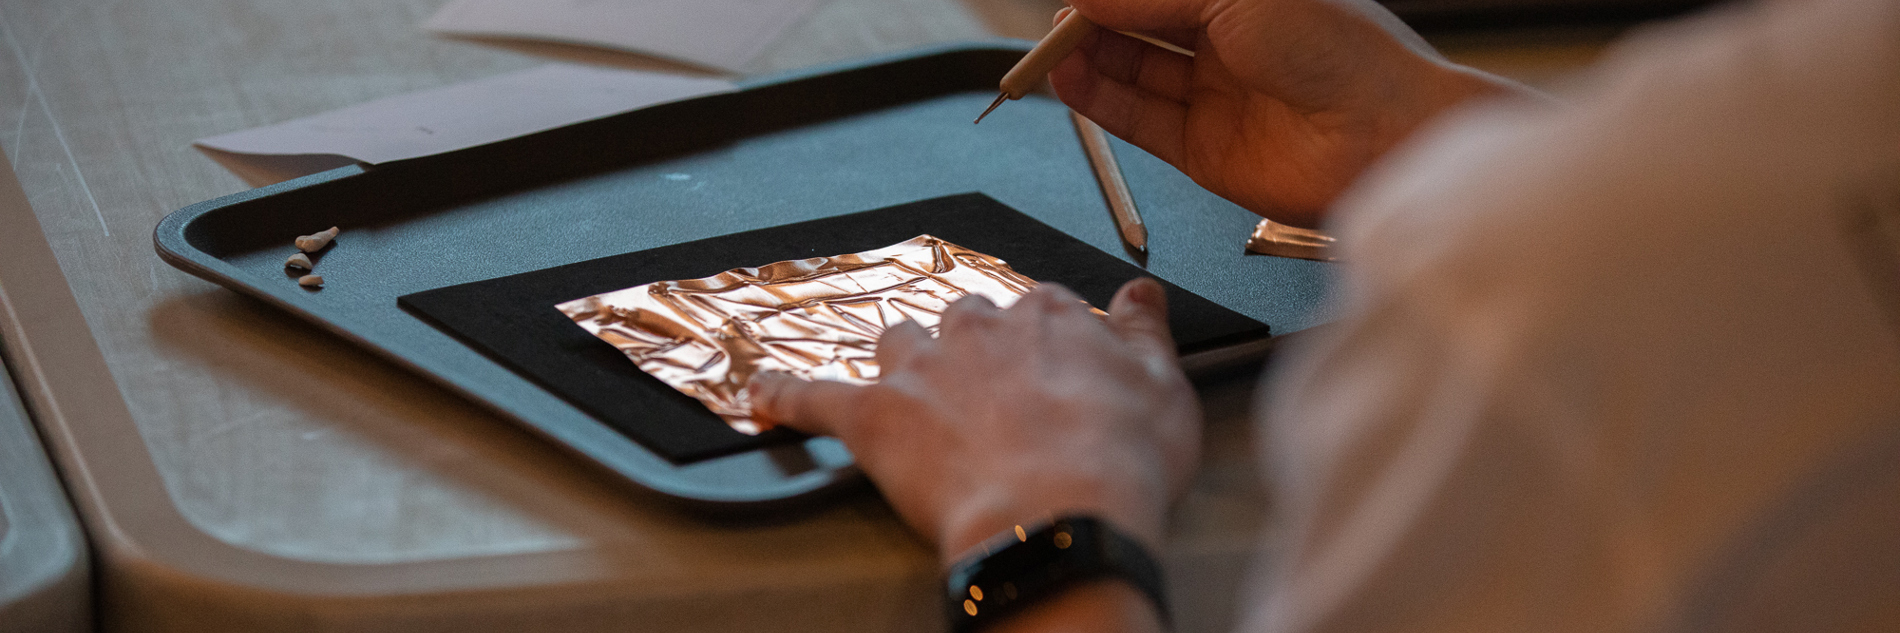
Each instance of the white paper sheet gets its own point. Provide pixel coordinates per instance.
(466, 114)
(716, 33)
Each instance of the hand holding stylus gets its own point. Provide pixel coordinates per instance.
(1283, 103)
(1071, 28)
(1028, 73)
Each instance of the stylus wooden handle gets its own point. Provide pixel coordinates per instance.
(1028, 73)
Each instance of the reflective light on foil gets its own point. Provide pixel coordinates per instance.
(816, 318)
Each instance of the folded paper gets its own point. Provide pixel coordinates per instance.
(462, 115)
(723, 34)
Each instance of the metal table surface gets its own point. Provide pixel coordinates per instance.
(237, 470)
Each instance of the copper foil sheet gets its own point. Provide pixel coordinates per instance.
(1274, 238)
(816, 318)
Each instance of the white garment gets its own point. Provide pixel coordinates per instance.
(1628, 365)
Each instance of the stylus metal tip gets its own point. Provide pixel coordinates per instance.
(986, 112)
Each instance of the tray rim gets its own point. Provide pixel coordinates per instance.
(635, 462)
(641, 465)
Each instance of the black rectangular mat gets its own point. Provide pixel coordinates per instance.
(513, 318)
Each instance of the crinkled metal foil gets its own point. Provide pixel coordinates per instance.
(816, 318)
(1280, 240)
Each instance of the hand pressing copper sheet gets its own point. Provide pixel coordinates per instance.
(816, 318)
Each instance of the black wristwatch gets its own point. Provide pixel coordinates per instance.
(1026, 565)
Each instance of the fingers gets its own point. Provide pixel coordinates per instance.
(818, 407)
(1123, 15)
(1139, 314)
(900, 344)
(1185, 38)
(970, 313)
(1133, 89)
(1105, 83)
(1046, 299)
(1123, 59)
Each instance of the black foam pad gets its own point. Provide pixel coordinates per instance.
(513, 319)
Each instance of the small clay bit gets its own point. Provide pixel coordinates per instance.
(310, 281)
(316, 241)
(299, 260)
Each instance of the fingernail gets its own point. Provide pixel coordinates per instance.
(757, 386)
(1147, 292)
(758, 391)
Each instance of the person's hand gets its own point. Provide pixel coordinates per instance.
(1010, 416)
(1284, 103)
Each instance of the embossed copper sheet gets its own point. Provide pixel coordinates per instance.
(817, 318)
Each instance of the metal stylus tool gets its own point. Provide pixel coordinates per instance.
(1028, 73)
(1054, 47)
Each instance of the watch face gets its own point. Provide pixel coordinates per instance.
(1025, 561)
(1027, 564)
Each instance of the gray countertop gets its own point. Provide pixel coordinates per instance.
(238, 470)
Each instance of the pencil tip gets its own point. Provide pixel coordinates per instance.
(1135, 235)
(986, 111)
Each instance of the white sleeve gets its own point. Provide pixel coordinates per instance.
(1632, 365)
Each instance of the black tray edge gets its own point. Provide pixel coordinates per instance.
(648, 472)
(792, 494)
(173, 244)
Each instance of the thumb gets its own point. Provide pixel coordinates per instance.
(1139, 315)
